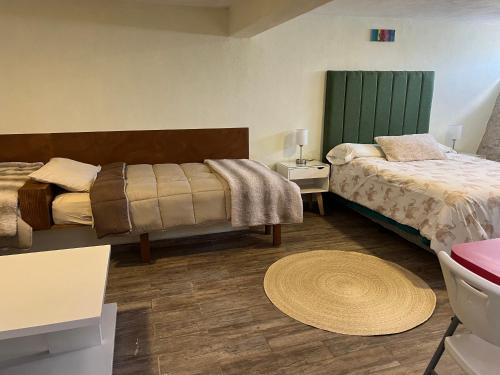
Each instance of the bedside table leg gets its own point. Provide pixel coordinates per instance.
(319, 198)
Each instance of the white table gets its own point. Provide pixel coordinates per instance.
(52, 316)
(312, 178)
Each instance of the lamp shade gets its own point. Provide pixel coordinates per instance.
(301, 136)
(455, 131)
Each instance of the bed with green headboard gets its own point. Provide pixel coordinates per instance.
(361, 105)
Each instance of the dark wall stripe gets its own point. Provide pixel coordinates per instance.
(383, 106)
(362, 105)
(352, 106)
(427, 92)
(368, 104)
(398, 103)
(412, 107)
(334, 109)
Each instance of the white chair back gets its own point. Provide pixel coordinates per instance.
(474, 300)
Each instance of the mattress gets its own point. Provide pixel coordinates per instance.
(448, 201)
(72, 208)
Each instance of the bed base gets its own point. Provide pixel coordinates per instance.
(145, 244)
(408, 233)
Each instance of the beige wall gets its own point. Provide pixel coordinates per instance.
(73, 74)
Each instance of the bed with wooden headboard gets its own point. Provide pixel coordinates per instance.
(103, 147)
(361, 105)
(131, 147)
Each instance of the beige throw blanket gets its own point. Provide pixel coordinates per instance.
(13, 231)
(163, 196)
(258, 194)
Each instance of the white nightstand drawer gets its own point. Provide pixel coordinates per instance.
(308, 172)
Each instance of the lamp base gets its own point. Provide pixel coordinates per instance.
(301, 162)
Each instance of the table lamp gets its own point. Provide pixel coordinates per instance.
(455, 133)
(301, 137)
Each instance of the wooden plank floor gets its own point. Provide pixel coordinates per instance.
(201, 308)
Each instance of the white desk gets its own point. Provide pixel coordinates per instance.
(51, 311)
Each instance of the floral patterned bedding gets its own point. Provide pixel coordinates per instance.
(449, 201)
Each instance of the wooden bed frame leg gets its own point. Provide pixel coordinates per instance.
(276, 235)
(145, 248)
(267, 229)
(321, 207)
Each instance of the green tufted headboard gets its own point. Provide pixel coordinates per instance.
(361, 105)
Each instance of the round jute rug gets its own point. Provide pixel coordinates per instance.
(349, 293)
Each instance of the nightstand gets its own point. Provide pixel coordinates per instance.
(312, 178)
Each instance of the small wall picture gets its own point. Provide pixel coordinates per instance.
(383, 35)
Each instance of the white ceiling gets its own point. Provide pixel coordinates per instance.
(473, 10)
(194, 3)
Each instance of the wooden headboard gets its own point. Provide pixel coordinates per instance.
(132, 147)
(361, 105)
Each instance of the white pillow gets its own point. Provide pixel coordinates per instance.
(69, 174)
(346, 152)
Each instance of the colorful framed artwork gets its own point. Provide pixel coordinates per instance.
(383, 35)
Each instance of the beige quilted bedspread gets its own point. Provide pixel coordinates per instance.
(162, 196)
(449, 201)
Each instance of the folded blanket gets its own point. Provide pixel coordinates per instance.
(258, 194)
(109, 201)
(148, 198)
(13, 176)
